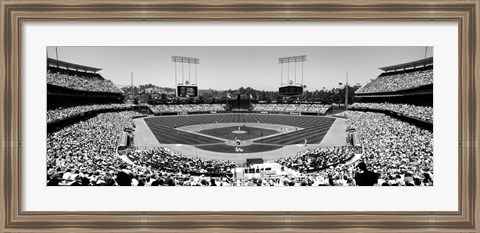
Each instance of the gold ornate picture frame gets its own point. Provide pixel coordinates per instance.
(14, 13)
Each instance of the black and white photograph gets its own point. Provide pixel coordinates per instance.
(239, 116)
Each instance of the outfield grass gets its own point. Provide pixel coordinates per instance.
(226, 132)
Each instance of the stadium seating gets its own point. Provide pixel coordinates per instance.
(287, 108)
(400, 153)
(189, 108)
(63, 112)
(419, 112)
(165, 160)
(393, 148)
(317, 159)
(85, 149)
(84, 154)
(81, 81)
(398, 81)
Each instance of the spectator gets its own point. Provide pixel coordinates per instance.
(365, 177)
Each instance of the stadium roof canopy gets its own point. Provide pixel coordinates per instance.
(422, 62)
(72, 66)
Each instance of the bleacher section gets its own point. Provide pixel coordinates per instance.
(80, 81)
(61, 113)
(187, 108)
(424, 113)
(292, 108)
(400, 77)
(399, 81)
(406, 83)
(404, 91)
(73, 84)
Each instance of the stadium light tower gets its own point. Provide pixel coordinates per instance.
(291, 87)
(186, 88)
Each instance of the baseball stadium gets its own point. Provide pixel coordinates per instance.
(105, 134)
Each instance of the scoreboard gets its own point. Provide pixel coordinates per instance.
(187, 91)
(290, 90)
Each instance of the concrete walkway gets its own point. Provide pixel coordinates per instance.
(336, 135)
(143, 136)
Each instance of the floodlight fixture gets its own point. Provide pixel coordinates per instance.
(180, 59)
(292, 59)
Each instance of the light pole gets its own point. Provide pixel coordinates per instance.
(340, 94)
(346, 94)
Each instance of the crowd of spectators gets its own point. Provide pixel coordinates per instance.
(287, 108)
(179, 108)
(317, 159)
(61, 113)
(81, 81)
(398, 153)
(420, 112)
(85, 152)
(317, 108)
(401, 153)
(166, 160)
(398, 81)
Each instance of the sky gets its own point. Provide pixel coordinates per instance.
(232, 67)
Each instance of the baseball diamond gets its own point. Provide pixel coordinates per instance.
(213, 134)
